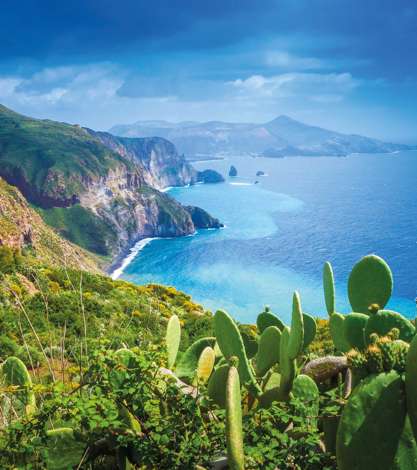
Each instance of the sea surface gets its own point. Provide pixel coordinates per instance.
(280, 231)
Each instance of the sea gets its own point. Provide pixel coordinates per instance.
(280, 228)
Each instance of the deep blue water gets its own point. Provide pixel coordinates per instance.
(280, 232)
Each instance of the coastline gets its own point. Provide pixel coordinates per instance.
(131, 255)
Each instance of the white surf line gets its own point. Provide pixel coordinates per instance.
(136, 248)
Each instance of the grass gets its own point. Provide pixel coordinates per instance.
(55, 159)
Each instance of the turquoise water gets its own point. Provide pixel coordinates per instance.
(279, 232)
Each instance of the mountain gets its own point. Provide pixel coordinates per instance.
(98, 191)
(281, 137)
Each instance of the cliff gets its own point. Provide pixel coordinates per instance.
(158, 159)
(97, 191)
(23, 229)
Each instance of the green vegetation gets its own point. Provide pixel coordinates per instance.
(141, 377)
(51, 159)
(23, 230)
(80, 226)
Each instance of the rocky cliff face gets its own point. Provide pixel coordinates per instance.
(97, 190)
(158, 159)
(22, 228)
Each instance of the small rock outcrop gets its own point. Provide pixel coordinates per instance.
(209, 176)
(233, 171)
(260, 173)
(202, 219)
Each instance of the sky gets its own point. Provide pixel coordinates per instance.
(347, 65)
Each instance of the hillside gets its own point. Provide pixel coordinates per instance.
(97, 191)
(280, 137)
(22, 229)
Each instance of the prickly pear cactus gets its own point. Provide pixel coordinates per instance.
(205, 365)
(268, 350)
(375, 408)
(125, 360)
(406, 456)
(411, 384)
(267, 318)
(231, 344)
(63, 450)
(216, 387)
(296, 340)
(234, 431)
(288, 367)
(370, 282)
(384, 321)
(310, 328)
(354, 330)
(172, 339)
(14, 372)
(187, 365)
(305, 390)
(329, 290)
(337, 331)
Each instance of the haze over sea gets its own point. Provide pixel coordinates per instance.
(280, 231)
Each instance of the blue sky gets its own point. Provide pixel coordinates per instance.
(347, 65)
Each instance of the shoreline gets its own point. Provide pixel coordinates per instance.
(128, 257)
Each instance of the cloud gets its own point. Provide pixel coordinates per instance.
(314, 86)
(62, 86)
(285, 60)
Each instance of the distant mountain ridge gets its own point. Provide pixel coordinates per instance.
(281, 137)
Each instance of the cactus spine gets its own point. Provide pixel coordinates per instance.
(234, 432)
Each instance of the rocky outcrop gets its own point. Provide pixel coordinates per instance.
(209, 176)
(158, 159)
(22, 228)
(202, 219)
(97, 190)
(233, 171)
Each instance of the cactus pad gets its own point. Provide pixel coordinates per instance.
(310, 328)
(337, 331)
(370, 282)
(384, 321)
(305, 390)
(234, 432)
(172, 339)
(216, 387)
(205, 365)
(15, 372)
(63, 450)
(375, 408)
(411, 384)
(296, 341)
(188, 363)
(328, 286)
(231, 344)
(268, 350)
(354, 329)
(266, 319)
